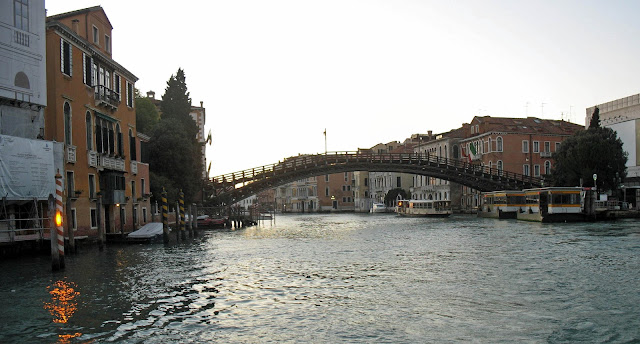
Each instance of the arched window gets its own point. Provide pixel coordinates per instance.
(499, 165)
(489, 149)
(120, 148)
(456, 153)
(67, 123)
(99, 144)
(112, 143)
(547, 167)
(499, 144)
(132, 145)
(105, 137)
(89, 131)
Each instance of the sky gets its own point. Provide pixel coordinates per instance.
(274, 74)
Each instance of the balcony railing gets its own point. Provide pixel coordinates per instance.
(545, 154)
(92, 156)
(107, 97)
(112, 163)
(71, 154)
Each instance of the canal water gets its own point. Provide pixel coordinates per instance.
(343, 278)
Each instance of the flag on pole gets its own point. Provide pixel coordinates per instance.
(472, 149)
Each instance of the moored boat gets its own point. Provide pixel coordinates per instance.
(501, 204)
(423, 208)
(379, 208)
(553, 204)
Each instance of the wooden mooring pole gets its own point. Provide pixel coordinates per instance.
(100, 225)
(165, 218)
(182, 224)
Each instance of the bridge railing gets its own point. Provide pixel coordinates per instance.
(341, 157)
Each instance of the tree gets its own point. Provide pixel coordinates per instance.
(597, 150)
(176, 102)
(595, 119)
(147, 116)
(392, 195)
(174, 152)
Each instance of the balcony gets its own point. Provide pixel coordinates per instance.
(92, 156)
(71, 154)
(134, 167)
(111, 163)
(107, 97)
(545, 154)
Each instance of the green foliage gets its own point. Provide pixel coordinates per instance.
(598, 151)
(392, 195)
(176, 103)
(174, 152)
(147, 116)
(595, 119)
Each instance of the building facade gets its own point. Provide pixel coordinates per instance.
(27, 162)
(623, 116)
(91, 110)
(518, 145)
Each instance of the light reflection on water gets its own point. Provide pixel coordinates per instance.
(344, 278)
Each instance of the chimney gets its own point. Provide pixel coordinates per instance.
(201, 104)
(151, 95)
(74, 25)
(429, 133)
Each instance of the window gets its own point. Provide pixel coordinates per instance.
(132, 145)
(547, 167)
(74, 223)
(477, 129)
(21, 14)
(143, 187)
(116, 85)
(536, 146)
(547, 146)
(92, 186)
(366, 182)
(499, 144)
(557, 146)
(96, 36)
(525, 146)
(129, 95)
(326, 178)
(499, 165)
(87, 65)
(133, 190)
(326, 191)
(144, 215)
(489, 148)
(346, 176)
(120, 143)
(112, 143)
(94, 218)
(107, 43)
(399, 182)
(89, 131)
(525, 170)
(67, 123)
(66, 62)
(70, 184)
(536, 170)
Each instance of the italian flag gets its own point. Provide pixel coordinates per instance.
(472, 149)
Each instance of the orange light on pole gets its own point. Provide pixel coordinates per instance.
(58, 219)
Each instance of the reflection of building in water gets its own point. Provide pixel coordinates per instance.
(66, 338)
(62, 305)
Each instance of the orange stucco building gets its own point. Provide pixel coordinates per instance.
(91, 110)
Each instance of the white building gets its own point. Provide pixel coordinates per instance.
(623, 116)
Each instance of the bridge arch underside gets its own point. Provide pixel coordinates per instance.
(473, 177)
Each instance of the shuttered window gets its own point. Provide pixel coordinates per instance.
(87, 64)
(66, 62)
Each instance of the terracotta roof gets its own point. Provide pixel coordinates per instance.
(80, 11)
(526, 125)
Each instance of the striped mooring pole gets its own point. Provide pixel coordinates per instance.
(182, 226)
(165, 217)
(57, 230)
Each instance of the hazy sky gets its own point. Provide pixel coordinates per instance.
(273, 74)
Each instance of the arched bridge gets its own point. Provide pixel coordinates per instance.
(238, 185)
